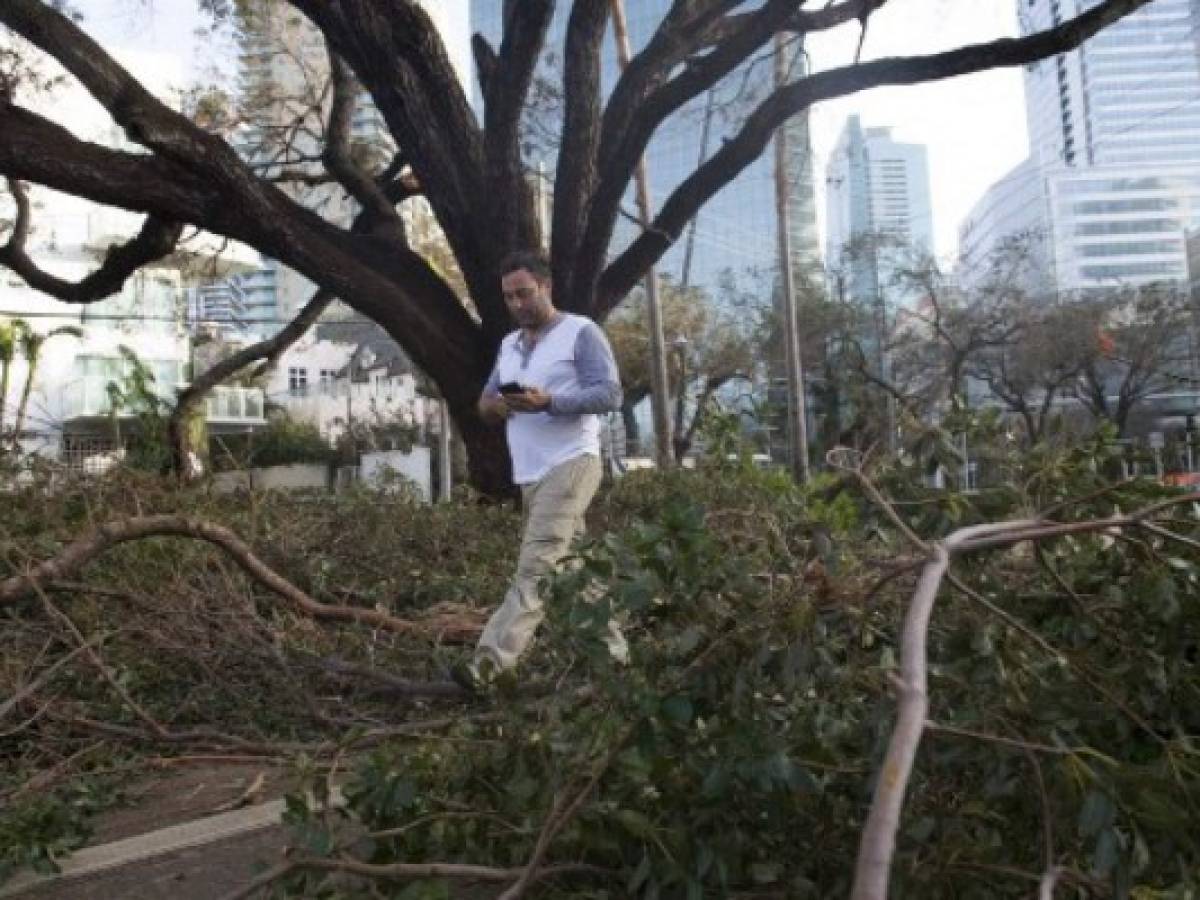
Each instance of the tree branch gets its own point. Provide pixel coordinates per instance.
(408, 872)
(485, 62)
(878, 841)
(390, 286)
(511, 221)
(566, 805)
(144, 118)
(751, 140)
(340, 162)
(397, 54)
(104, 537)
(130, 181)
(270, 349)
(577, 172)
(509, 81)
(155, 240)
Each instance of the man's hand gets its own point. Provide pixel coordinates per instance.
(494, 408)
(531, 401)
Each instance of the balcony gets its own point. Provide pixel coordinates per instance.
(88, 398)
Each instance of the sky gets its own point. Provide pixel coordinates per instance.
(973, 126)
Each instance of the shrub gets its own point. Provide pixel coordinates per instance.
(284, 441)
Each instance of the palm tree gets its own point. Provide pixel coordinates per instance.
(31, 347)
(11, 332)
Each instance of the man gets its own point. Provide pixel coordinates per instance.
(552, 378)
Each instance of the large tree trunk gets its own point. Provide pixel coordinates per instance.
(488, 463)
(632, 436)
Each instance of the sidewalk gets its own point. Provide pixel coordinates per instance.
(174, 842)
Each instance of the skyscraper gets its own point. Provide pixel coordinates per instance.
(877, 188)
(1114, 131)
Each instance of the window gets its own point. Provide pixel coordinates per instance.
(1132, 270)
(297, 381)
(327, 379)
(1129, 248)
(1148, 204)
(1135, 226)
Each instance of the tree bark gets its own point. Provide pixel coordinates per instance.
(489, 465)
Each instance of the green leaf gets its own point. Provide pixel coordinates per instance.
(984, 643)
(635, 823)
(688, 640)
(765, 872)
(922, 829)
(640, 874)
(704, 860)
(716, 782)
(677, 709)
(426, 890)
(1107, 852)
(1096, 814)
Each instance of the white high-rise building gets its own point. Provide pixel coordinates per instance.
(876, 186)
(1007, 231)
(1114, 128)
(1130, 95)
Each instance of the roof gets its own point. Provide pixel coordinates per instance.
(375, 351)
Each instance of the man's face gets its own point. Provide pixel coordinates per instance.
(528, 299)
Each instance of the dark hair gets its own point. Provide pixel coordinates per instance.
(532, 261)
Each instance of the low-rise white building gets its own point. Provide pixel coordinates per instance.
(78, 399)
(349, 375)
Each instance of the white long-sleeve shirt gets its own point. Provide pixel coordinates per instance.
(573, 363)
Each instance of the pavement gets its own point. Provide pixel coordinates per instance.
(201, 859)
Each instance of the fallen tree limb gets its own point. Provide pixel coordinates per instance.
(408, 872)
(104, 537)
(386, 682)
(197, 737)
(47, 674)
(566, 805)
(878, 842)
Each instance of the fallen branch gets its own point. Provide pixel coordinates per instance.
(48, 673)
(408, 872)
(104, 537)
(879, 835)
(1014, 743)
(386, 682)
(565, 807)
(197, 737)
(878, 842)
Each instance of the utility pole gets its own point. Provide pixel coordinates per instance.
(685, 278)
(797, 415)
(444, 451)
(658, 355)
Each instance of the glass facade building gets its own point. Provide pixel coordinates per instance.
(876, 186)
(1114, 131)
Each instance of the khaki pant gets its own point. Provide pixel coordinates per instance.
(554, 510)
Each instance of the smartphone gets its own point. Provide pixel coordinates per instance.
(511, 387)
